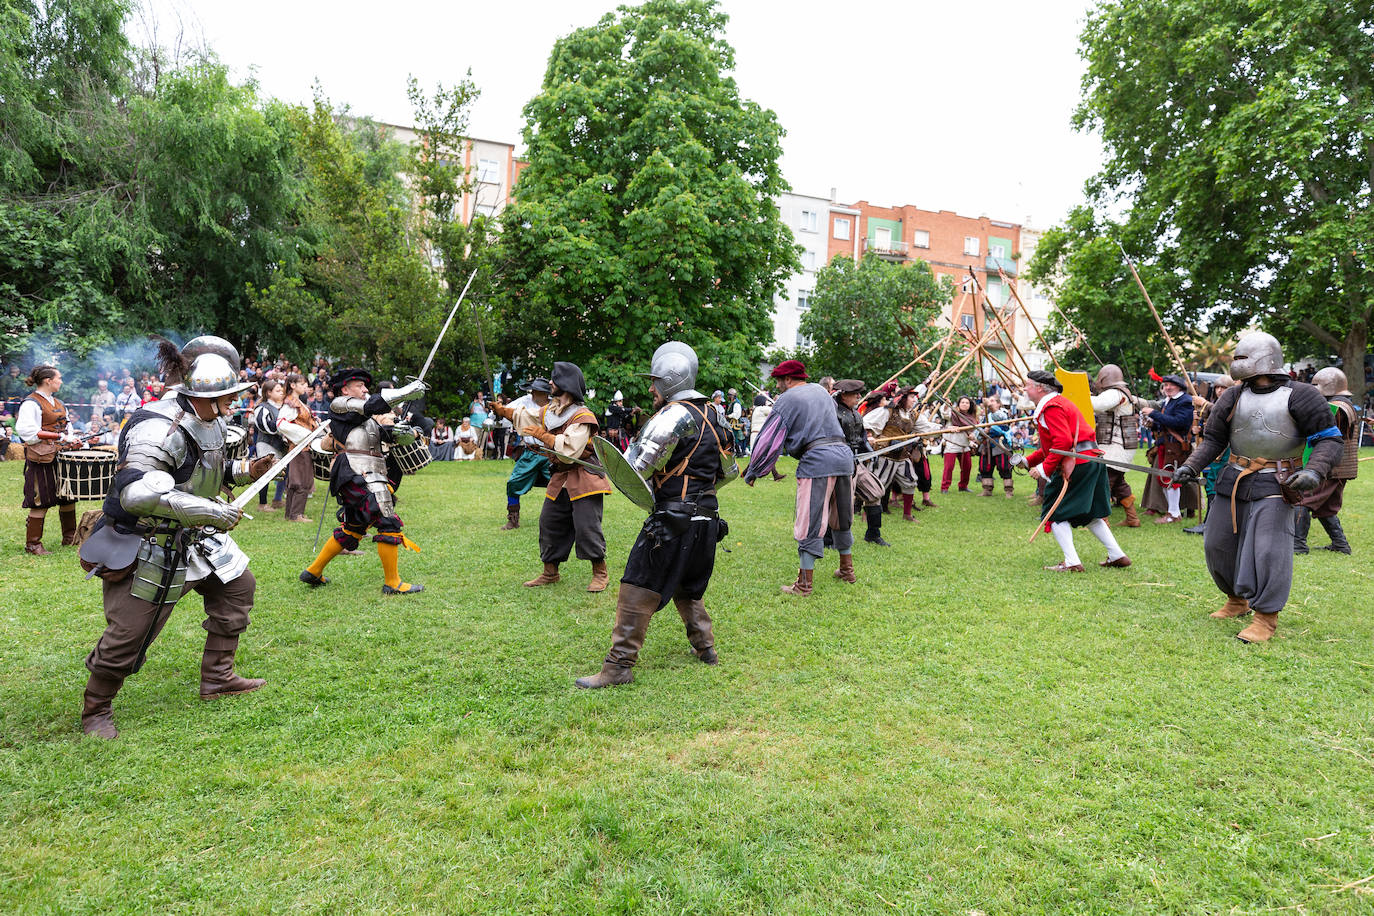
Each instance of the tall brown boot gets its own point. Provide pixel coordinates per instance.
(698, 623)
(1261, 629)
(601, 577)
(634, 606)
(1234, 607)
(846, 571)
(987, 487)
(217, 677)
(97, 718)
(1132, 518)
(802, 587)
(67, 515)
(512, 518)
(33, 537)
(548, 577)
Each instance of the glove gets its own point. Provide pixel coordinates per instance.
(1304, 481)
(405, 392)
(543, 435)
(260, 466)
(500, 410)
(1185, 474)
(229, 518)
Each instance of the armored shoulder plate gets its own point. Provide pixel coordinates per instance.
(155, 443)
(343, 404)
(660, 435)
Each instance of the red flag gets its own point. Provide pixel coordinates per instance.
(1155, 376)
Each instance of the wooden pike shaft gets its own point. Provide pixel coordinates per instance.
(899, 372)
(941, 432)
(1029, 320)
(1173, 350)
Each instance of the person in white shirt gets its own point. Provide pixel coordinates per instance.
(465, 437)
(42, 425)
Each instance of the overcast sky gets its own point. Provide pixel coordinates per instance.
(959, 106)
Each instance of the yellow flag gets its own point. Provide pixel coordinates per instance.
(1076, 389)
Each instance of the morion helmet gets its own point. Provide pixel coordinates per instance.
(210, 376)
(209, 343)
(1257, 354)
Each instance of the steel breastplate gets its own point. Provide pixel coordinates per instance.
(207, 476)
(365, 437)
(1262, 427)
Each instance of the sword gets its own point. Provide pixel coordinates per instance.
(550, 453)
(444, 330)
(282, 462)
(1118, 465)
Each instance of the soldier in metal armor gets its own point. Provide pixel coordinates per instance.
(1117, 421)
(359, 424)
(868, 489)
(1325, 501)
(686, 453)
(1266, 420)
(571, 515)
(164, 530)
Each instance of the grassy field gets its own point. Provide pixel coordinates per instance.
(959, 732)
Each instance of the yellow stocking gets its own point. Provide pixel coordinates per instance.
(331, 549)
(389, 554)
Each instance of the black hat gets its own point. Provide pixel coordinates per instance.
(1177, 380)
(344, 376)
(568, 378)
(848, 386)
(539, 384)
(1047, 379)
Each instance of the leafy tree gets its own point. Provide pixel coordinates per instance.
(1238, 135)
(869, 318)
(646, 211)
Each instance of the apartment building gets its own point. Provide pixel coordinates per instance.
(807, 217)
(492, 166)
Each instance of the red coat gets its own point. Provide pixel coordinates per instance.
(1061, 425)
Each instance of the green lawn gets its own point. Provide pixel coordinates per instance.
(959, 732)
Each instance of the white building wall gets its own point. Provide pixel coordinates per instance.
(808, 218)
(1037, 300)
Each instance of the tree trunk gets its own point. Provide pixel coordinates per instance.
(1352, 350)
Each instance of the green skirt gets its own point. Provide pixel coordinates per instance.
(1089, 496)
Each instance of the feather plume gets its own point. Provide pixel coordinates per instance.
(170, 363)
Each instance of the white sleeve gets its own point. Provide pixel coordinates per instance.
(28, 422)
(1107, 400)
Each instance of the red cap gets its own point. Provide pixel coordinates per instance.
(790, 368)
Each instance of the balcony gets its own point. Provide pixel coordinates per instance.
(895, 251)
(1007, 264)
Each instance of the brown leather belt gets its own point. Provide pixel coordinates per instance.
(1257, 466)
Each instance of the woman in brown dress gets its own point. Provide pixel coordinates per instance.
(41, 425)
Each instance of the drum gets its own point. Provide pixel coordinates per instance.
(235, 443)
(321, 459)
(412, 457)
(85, 473)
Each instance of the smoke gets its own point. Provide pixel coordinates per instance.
(82, 365)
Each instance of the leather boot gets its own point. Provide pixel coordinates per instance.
(548, 577)
(1302, 523)
(512, 518)
(217, 677)
(1333, 530)
(601, 577)
(1234, 607)
(67, 516)
(802, 587)
(874, 534)
(987, 487)
(778, 475)
(1009, 488)
(1201, 527)
(33, 537)
(1132, 518)
(634, 606)
(1261, 629)
(927, 501)
(97, 718)
(846, 571)
(698, 624)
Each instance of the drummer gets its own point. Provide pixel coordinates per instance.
(41, 425)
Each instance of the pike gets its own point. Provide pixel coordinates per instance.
(1117, 465)
(242, 499)
(907, 440)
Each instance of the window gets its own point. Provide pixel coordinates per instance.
(841, 228)
(921, 239)
(971, 245)
(809, 260)
(802, 341)
(882, 238)
(489, 171)
(810, 222)
(804, 301)
(997, 250)
(485, 210)
(996, 297)
(966, 322)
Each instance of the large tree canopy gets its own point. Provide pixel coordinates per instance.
(1241, 137)
(646, 211)
(868, 319)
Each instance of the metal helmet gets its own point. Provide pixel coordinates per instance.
(1110, 375)
(674, 371)
(211, 376)
(1331, 382)
(1257, 354)
(209, 343)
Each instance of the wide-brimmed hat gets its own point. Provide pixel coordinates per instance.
(539, 384)
(790, 368)
(1177, 380)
